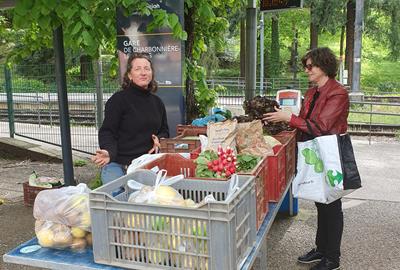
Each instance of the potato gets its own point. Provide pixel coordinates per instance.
(45, 238)
(89, 239)
(62, 239)
(78, 244)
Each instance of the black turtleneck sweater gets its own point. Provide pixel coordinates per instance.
(131, 116)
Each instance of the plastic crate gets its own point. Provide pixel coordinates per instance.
(30, 193)
(260, 173)
(194, 130)
(176, 164)
(276, 176)
(217, 235)
(288, 139)
(179, 144)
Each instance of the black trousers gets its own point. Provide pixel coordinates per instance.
(330, 229)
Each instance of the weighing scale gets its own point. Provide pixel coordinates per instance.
(289, 100)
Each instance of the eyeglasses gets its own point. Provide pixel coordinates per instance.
(309, 67)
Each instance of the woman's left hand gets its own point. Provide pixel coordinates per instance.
(156, 145)
(278, 116)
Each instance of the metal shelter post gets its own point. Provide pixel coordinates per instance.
(261, 53)
(58, 44)
(356, 94)
(10, 103)
(251, 49)
(99, 92)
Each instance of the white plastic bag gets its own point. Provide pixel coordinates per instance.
(142, 160)
(67, 205)
(160, 193)
(319, 171)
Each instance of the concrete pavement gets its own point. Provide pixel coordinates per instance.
(371, 238)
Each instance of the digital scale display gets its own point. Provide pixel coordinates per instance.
(289, 100)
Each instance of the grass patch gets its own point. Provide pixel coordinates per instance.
(80, 163)
(95, 182)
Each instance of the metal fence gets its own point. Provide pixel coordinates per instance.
(237, 85)
(36, 113)
(35, 104)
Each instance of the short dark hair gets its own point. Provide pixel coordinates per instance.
(323, 58)
(126, 83)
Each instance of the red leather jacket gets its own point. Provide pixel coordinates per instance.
(329, 115)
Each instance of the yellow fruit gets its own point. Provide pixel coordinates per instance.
(165, 192)
(85, 220)
(190, 203)
(45, 238)
(135, 221)
(78, 232)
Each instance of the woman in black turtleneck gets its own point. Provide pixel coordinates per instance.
(135, 119)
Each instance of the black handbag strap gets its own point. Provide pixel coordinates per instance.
(310, 109)
(312, 104)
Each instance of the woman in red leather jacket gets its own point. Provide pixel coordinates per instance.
(324, 111)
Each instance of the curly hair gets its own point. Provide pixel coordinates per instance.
(127, 82)
(323, 58)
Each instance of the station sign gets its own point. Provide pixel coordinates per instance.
(276, 5)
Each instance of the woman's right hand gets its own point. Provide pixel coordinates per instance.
(101, 158)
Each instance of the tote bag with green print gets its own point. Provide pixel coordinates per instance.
(320, 176)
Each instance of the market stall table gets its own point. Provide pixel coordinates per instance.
(83, 260)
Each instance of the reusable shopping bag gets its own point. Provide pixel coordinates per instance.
(323, 171)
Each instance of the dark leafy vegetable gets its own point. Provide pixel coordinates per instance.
(256, 108)
(247, 162)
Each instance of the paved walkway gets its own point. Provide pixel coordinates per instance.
(371, 238)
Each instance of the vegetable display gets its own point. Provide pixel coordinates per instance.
(224, 163)
(216, 165)
(247, 162)
(256, 108)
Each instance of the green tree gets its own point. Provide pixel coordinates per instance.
(206, 25)
(298, 17)
(275, 65)
(383, 22)
(89, 25)
(326, 15)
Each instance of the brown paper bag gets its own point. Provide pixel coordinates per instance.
(222, 133)
(250, 139)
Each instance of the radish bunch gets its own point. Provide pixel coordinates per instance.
(225, 165)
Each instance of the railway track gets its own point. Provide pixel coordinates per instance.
(388, 99)
(44, 117)
(87, 118)
(364, 129)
